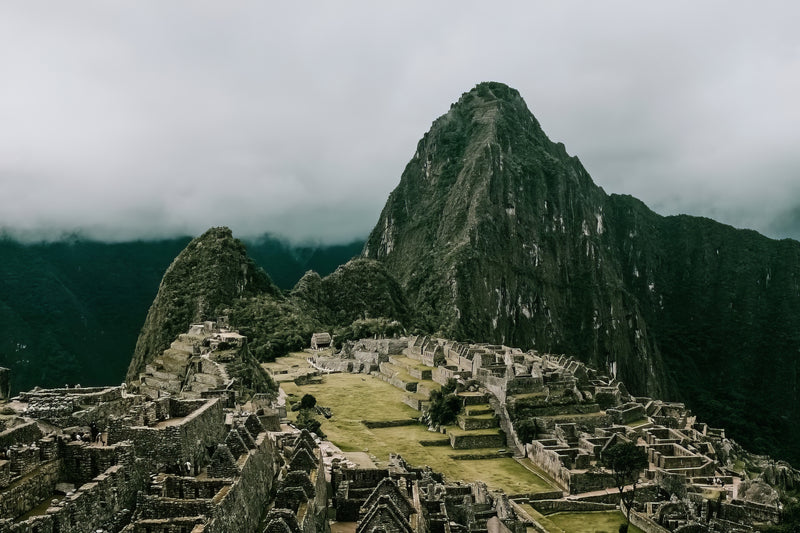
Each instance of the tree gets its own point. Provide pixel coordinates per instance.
(445, 404)
(308, 402)
(526, 430)
(626, 461)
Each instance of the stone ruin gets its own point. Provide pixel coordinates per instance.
(195, 364)
(569, 413)
(117, 459)
(177, 452)
(404, 499)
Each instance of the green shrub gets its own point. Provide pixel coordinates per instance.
(445, 405)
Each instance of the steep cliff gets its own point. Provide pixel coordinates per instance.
(497, 234)
(212, 271)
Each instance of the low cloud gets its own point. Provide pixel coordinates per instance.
(126, 120)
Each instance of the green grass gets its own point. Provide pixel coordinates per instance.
(541, 519)
(291, 365)
(481, 417)
(355, 397)
(591, 522)
(455, 430)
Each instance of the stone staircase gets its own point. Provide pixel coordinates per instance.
(180, 369)
(167, 372)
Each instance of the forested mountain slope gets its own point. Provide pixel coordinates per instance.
(498, 235)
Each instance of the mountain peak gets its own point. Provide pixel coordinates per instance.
(480, 226)
(212, 271)
(493, 90)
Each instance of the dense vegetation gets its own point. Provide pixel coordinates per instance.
(445, 404)
(357, 300)
(70, 311)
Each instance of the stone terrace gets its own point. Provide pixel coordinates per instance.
(572, 412)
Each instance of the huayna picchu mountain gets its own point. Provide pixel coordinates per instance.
(498, 235)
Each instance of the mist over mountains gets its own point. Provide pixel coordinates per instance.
(494, 234)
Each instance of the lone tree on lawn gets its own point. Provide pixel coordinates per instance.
(308, 402)
(626, 461)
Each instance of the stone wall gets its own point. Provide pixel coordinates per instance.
(100, 413)
(191, 487)
(30, 491)
(242, 506)
(555, 506)
(441, 374)
(644, 523)
(103, 503)
(21, 434)
(468, 441)
(372, 424)
(589, 481)
(5, 473)
(82, 462)
(588, 422)
(497, 386)
(549, 461)
(170, 445)
(384, 347)
(150, 507)
(525, 384)
(167, 525)
(744, 512)
(359, 478)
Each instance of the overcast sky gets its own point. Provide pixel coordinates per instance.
(141, 119)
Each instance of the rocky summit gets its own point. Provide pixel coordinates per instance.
(497, 234)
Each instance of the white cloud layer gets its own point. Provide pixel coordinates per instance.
(142, 119)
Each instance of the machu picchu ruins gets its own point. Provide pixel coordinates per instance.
(189, 446)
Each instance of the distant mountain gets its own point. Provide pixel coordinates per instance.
(497, 234)
(286, 262)
(71, 310)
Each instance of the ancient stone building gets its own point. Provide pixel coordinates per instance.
(561, 415)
